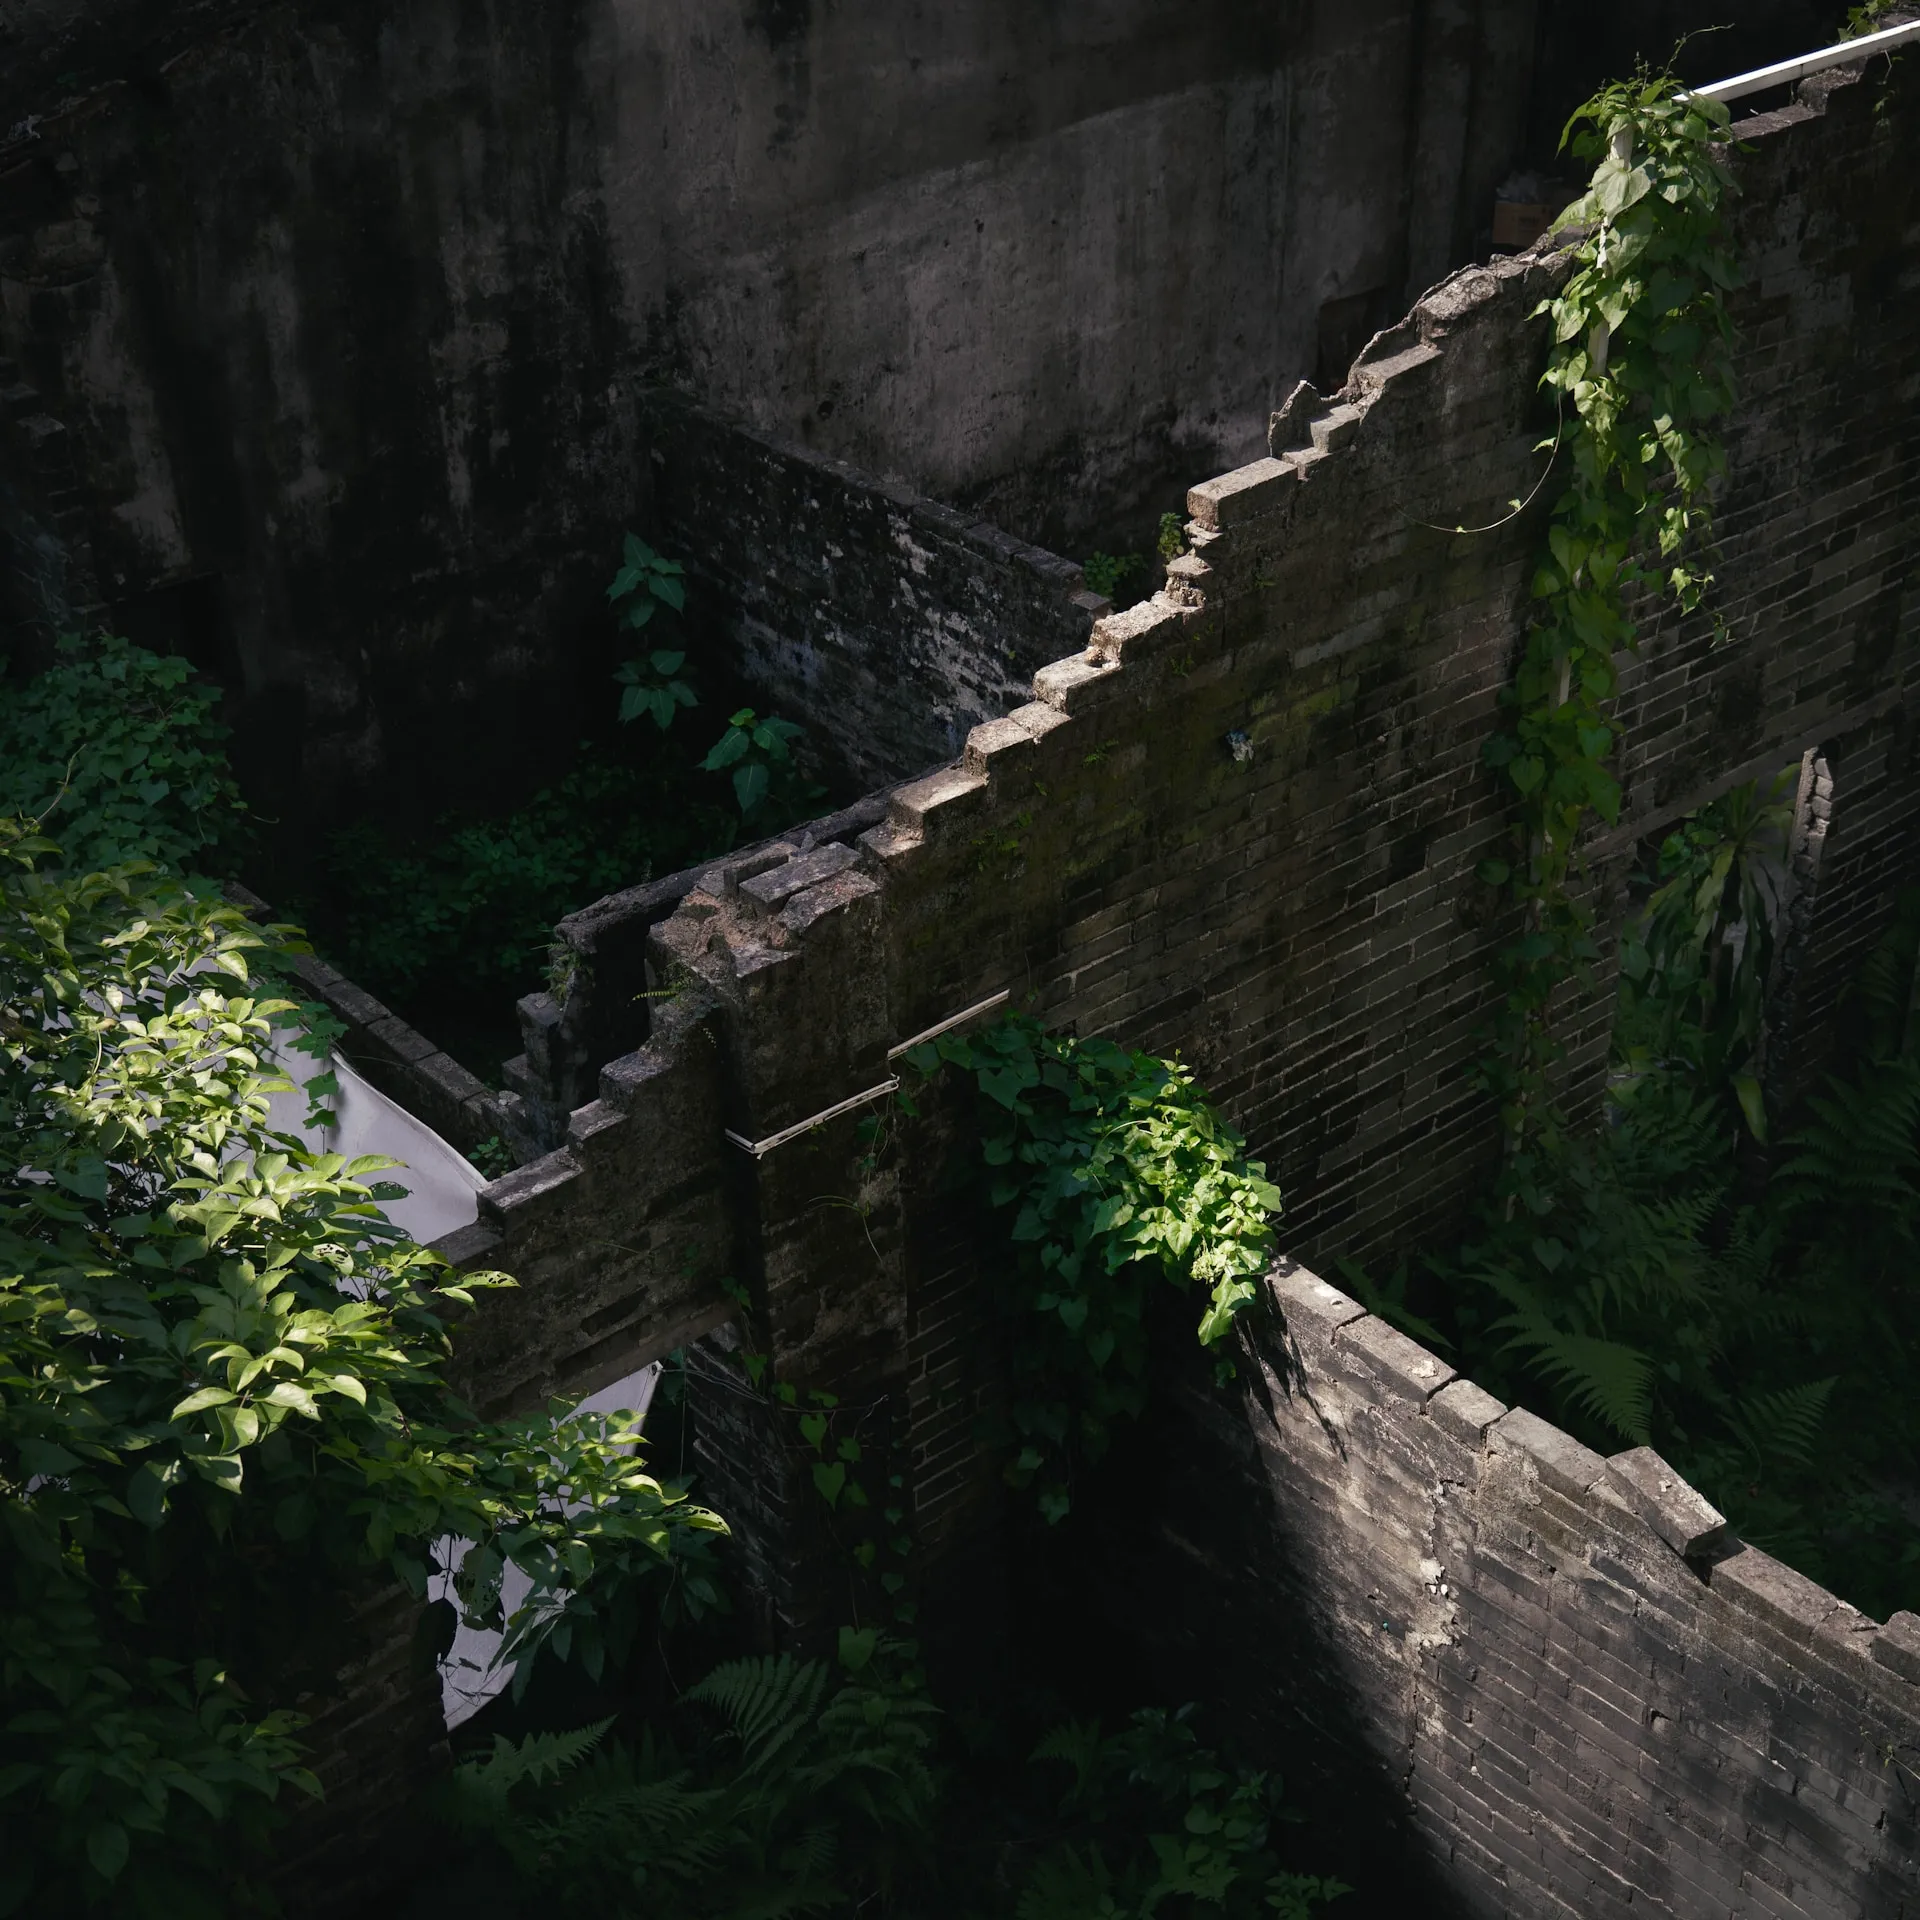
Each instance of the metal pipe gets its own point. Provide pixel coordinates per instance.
(1783, 72)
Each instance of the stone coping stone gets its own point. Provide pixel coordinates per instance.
(1678, 1514)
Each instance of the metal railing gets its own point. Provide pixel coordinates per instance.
(1784, 72)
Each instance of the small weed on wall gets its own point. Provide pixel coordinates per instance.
(451, 929)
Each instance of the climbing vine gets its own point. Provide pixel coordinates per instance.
(1642, 355)
(1115, 1168)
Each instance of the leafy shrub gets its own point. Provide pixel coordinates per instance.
(779, 1787)
(116, 751)
(222, 1406)
(652, 688)
(470, 911)
(1114, 1168)
(473, 910)
(759, 755)
(1694, 964)
(645, 583)
(1165, 1828)
(792, 1790)
(1106, 573)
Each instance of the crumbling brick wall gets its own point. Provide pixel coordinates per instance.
(1580, 1697)
(891, 623)
(1244, 824)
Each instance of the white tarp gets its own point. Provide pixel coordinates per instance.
(442, 1183)
(468, 1676)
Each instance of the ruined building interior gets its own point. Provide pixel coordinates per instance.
(342, 346)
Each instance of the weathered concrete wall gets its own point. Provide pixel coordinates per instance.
(1580, 1697)
(327, 320)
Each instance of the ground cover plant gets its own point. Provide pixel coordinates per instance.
(1731, 1286)
(222, 1409)
(782, 1786)
(778, 1786)
(1112, 1171)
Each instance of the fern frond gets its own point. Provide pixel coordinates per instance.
(770, 1704)
(1861, 1149)
(1067, 1886)
(1611, 1382)
(1784, 1425)
(780, 1896)
(539, 1757)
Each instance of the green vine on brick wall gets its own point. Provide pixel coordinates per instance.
(1115, 1169)
(1642, 351)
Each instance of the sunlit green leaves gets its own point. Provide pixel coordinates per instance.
(1113, 1168)
(216, 1357)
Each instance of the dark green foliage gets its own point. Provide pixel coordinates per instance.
(455, 925)
(645, 583)
(116, 752)
(1115, 1170)
(1107, 573)
(782, 1787)
(1644, 1290)
(757, 755)
(473, 909)
(222, 1412)
(1645, 1284)
(1694, 964)
(1159, 1825)
(652, 689)
(1642, 355)
(492, 1156)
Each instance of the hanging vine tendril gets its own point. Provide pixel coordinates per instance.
(1642, 352)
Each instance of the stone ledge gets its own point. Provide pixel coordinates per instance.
(469, 1246)
(1466, 1411)
(773, 886)
(909, 806)
(1077, 684)
(1154, 624)
(1312, 1307)
(832, 895)
(1563, 1463)
(1247, 493)
(1666, 1502)
(1759, 1585)
(529, 1192)
(1385, 1354)
(588, 1123)
(1897, 1646)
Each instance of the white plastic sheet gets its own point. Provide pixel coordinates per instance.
(442, 1194)
(469, 1677)
(442, 1183)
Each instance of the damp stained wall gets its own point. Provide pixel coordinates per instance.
(328, 322)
